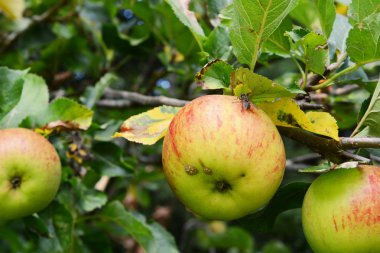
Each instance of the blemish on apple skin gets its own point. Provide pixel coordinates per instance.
(207, 171)
(335, 225)
(191, 170)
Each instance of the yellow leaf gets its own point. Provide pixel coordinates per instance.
(13, 9)
(148, 127)
(285, 112)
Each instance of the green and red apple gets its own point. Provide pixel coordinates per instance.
(222, 159)
(341, 211)
(30, 173)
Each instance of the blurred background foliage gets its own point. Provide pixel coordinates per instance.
(81, 47)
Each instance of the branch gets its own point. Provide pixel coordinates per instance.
(126, 98)
(334, 151)
(34, 20)
(308, 106)
(347, 143)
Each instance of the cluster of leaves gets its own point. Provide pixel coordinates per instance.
(113, 192)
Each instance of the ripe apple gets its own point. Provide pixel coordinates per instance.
(30, 173)
(223, 160)
(341, 211)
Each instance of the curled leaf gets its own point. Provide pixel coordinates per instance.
(65, 114)
(285, 112)
(263, 89)
(214, 75)
(148, 127)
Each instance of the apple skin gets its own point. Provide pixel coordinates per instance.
(221, 160)
(30, 173)
(341, 211)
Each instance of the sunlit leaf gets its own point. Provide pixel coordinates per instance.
(11, 84)
(285, 112)
(12, 8)
(253, 22)
(148, 127)
(65, 114)
(32, 103)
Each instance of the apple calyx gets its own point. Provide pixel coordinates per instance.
(16, 182)
(222, 186)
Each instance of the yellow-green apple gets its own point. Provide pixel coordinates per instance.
(223, 160)
(30, 173)
(341, 211)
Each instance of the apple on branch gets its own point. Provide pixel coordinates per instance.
(30, 173)
(221, 159)
(341, 211)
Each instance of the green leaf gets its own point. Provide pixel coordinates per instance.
(214, 75)
(311, 48)
(217, 44)
(187, 17)
(64, 113)
(316, 15)
(63, 222)
(306, 15)
(315, 52)
(32, 103)
(276, 247)
(361, 9)
(37, 225)
(288, 197)
(214, 7)
(233, 237)
(369, 123)
(92, 94)
(263, 89)
(253, 22)
(326, 13)
(321, 168)
(148, 127)
(11, 83)
(152, 237)
(363, 40)
(278, 43)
